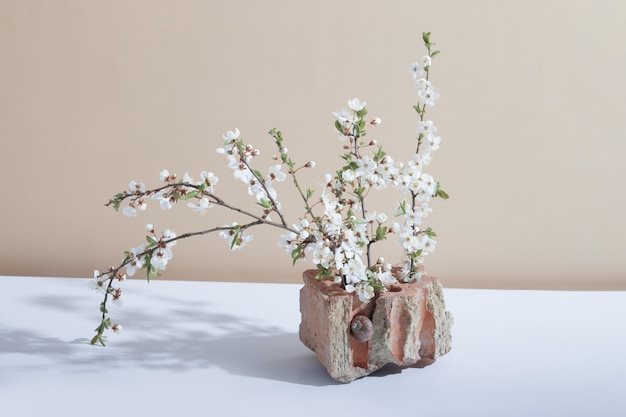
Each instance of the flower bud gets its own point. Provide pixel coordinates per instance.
(310, 164)
(376, 121)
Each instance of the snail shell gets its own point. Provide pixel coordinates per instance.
(361, 328)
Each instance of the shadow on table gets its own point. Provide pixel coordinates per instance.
(278, 357)
(179, 338)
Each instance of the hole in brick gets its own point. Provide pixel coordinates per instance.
(394, 288)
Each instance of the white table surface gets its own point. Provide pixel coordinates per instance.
(232, 349)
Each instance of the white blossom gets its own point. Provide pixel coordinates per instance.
(356, 105)
(164, 175)
(384, 275)
(428, 96)
(187, 178)
(168, 236)
(243, 174)
(117, 297)
(231, 136)
(141, 204)
(129, 211)
(201, 207)
(134, 187)
(433, 141)
(365, 292)
(160, 258)
(233, 233)
(426, 127)
(209, 179)
(136, 262)
(416, 70)
(422, 84)
(275, 173)
(345, 116)
(97, 283)
(285, 241)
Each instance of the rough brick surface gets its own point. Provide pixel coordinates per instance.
(411, 326)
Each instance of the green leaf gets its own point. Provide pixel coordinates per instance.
(236, 238)
(426, 37)
(309, 193)
(265, 203)
(355, 220)
(189, 195)
(323, 272)
(379, 155)
(403, 206)
(95, 339)
(339, 127)
(278, 135)
(296, 254)
(149, 267)
(381, 232)
(434, 54)
(442, 194)
(377, 286)
(152, 241)
(202, 187)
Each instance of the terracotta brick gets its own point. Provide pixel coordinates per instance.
(411, 326)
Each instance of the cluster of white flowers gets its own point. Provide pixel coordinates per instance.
(236, 238)
(167, 197)
(163, 253)
(338, 240)
(239, 160)
(419, 72)
(140, 203)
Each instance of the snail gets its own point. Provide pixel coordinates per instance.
(361, 328)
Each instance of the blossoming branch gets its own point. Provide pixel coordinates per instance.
(336, 230)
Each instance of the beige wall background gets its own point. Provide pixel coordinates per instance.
(96, 93)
